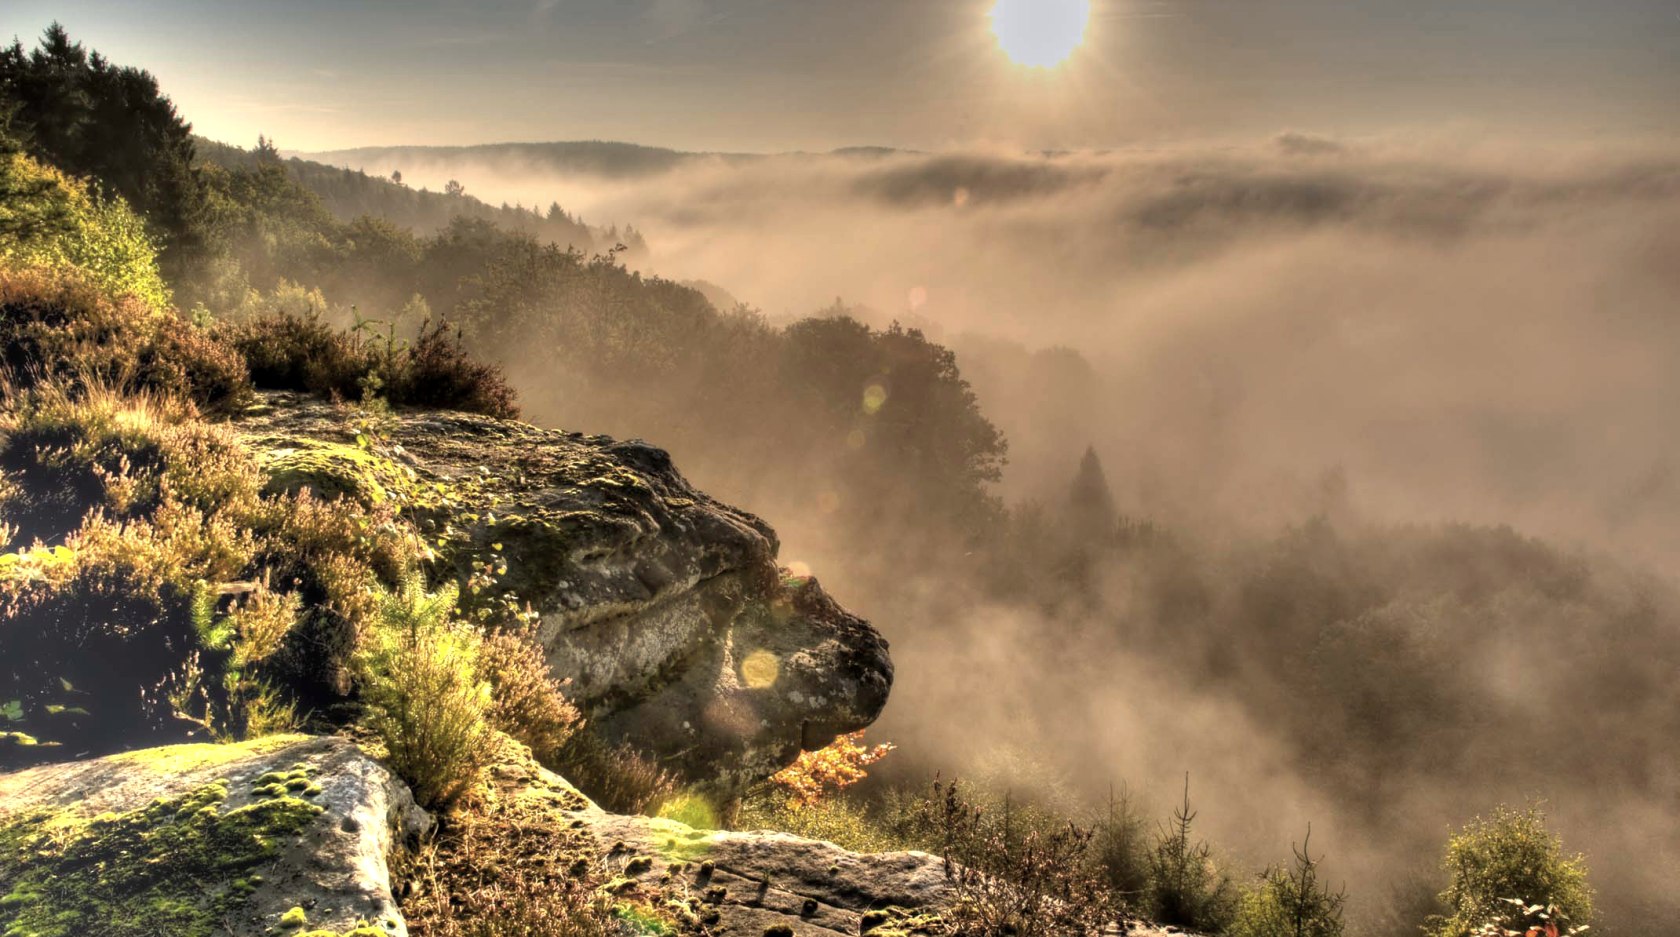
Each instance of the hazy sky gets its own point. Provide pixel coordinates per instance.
(816, 74)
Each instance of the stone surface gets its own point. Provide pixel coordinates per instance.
(664, 608)
(757, 881)
(231, 837)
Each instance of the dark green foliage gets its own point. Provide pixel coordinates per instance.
(88, 117)
(351, 194)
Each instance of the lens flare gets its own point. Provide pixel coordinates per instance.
(1040, 33)
(760, 669)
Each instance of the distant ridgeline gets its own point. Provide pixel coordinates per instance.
(350, 194)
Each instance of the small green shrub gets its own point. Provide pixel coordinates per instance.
(1120, 849)
(1187, 889)
(839, 819)
(1290, 902)
(1499, 865)
(420, 678)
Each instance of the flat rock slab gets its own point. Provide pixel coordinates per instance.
(281, 835)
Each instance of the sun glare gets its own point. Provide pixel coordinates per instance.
(1040, 33)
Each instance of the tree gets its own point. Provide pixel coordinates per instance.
(1291, 902)
(90, 118)
(1090, 500)
(396, 176)
(454, 189)
(1500, 866)
(1188, 890)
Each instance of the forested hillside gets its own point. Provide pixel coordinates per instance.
(1386, 682)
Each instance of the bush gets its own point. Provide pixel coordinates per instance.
(529, 704)
(438, 372)
(289, 349)
(420, 679)
(69, 453)
(65, 328)
(1012, 875)
(1290, 902)
(617, 777)
(1502, 864)
(53, 222)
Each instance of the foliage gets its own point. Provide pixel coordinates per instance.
(1290, 902)
(816, 775)
(529, 704)
(1502, 865)
(1186, 887)
(842, 820)
(1014, 877)
(1120, 849)
(291, 350)
(1532, 920)
(426, 698)
(91, 118)
(509, 864)
(63, 327)
(618, 777)
(53, 222)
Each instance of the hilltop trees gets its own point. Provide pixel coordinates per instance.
(79, 112)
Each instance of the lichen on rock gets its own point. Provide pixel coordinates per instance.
(664, 609)
(202, 841)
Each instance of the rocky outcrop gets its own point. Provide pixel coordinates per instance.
(285, 834)
(664, 609)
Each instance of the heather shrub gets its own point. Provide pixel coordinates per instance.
(617, 777)
(528, 703)
(1012, 873)
(63, 327)
(298, 349)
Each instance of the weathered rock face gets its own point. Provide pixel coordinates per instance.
(665, 609)
(205, 839)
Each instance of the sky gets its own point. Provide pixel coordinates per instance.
(775, 75)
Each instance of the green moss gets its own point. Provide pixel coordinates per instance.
(339, 470)
(898, 922)
(176, 866)
(294, 918)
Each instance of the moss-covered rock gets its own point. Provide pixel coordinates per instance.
(664, 609)
(333, 470)
(202, 841)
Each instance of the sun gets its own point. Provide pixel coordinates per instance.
(1040, 33)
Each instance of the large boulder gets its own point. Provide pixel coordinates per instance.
(665, 609)
(281, 835)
